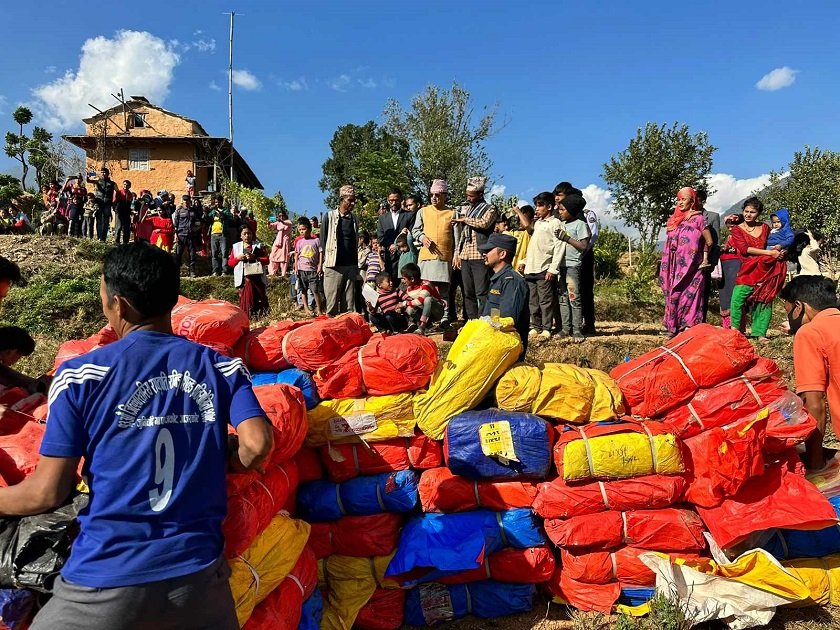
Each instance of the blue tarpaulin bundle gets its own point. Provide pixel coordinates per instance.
(325, 500)
(16, 607)
(786, 544)
(437, 545)
(312, 611)
(294, 377)
(471, 435)
(635, 596)
(429, 604)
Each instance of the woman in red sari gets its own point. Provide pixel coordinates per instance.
(253, 298)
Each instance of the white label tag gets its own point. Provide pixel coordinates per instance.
(349, 426)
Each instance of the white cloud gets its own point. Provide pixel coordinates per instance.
(214, 86)
(50, 70)
(777, 79)
(729, 190)
(497, 190)
(205, 44)
(295, 85)
(246, 80)
(368, 83)
(340, 83)
(136, 61)
(3, 103)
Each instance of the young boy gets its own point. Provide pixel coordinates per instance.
(89, 219)
(373, 262)
(408, 252)
(575, 234)
(424, 305)
(387, 315)
(542, 265)
(15, 343)
(308, 264)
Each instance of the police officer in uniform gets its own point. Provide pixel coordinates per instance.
(508, 290)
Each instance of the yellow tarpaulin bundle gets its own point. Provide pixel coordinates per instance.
(608, 402)
(617, 455)
(350, 583)
(742, 593)
(482, 352)
(371, 419)
(821, 576)
(266, 563)
(560, 391)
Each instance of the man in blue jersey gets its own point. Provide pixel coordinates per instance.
(149, 415)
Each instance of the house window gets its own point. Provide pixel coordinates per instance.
(137, 120)
(138, 160)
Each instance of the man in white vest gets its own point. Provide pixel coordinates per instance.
(339, 241)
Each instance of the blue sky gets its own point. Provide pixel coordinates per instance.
(573, 80)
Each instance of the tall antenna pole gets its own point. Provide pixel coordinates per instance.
(230, 93)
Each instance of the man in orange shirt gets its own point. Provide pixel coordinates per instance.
(811, 305)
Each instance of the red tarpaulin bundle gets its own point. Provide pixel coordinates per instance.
(262, 348)
(721, 460)
(345, 461)
(777, 498)
(286, 410)
(384, 611)
(210, 321)
(280, 610)
(19, 453)
(702, 356)
(442, 491)
(387, 364)
(658, 530)
(77, 347)
(583, 596)
(357, 536)
(253, 500)
(308, 464)
(732, 400)
(533, 565)
(558, 499)
(17, 407)
(602, 567)
(324, 341)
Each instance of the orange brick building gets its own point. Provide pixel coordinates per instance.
(154, 148)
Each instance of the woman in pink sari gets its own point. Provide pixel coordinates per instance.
(279, 257)
(681, 273)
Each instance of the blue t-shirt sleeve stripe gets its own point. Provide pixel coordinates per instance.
(65, 435)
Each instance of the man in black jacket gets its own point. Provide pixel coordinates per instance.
(391, 224)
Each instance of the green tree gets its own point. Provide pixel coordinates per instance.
(10, 189)
(47, 157)
(645, 177)
(17, 144)
(609, 248)
(368, 157)
(810, 192)
(253, 200)
(446, 140)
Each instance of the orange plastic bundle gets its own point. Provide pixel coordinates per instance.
(721, 460)
(19, 453)
(384, 611)
(322, 342)
(384, 365)
(657, 530)
(345, 461)
(441, 490)
(735, 399)
(210, 321)
(559, 499)
(583, 596)
(702, 356)
(357, 536)
(533, 565)
(602, 567)
(281, 609)
(77, 347)
(253, 499)
(262, 348)
(17, 407)
(286, 410)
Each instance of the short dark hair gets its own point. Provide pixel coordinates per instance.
(753, 202)
(382, 275)
(11, 272)
(503, 218)
(145, 275)
(702, 195)
(395, 191)
(528, 211)
(305, 222)
(411, 271)
(563, 188)
(315, 219)
(401, 238)
(818, 292)
(418, 198)
(544, 199)
(127, 181)
(15, 338)
(365, 236)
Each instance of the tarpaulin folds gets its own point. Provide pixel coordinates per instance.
(210, 321)
(442, 491)
(345, 461)
(430, 604)
(357, 536)
(325, 500)
(371, 419)
(323, 341)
